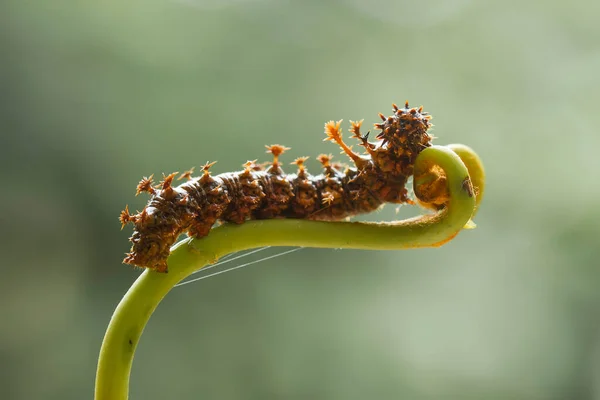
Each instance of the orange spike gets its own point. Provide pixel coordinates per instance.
(206, 172)
(125, 217)
(276, 150)
(166, 185)
(338, 166)
(334, 133)
(325, 159)
(217, 190)
(145, 185)
(406, 104)
(300, 161)
(249, 166)
(328, 198)
(207, 166)
(129, 258)
(168, 180)
(394, 106)
(186, 175)
(184, 200)
(382, 116)
(358, 135)
(301, 168)
(355, 129)
(143, 215)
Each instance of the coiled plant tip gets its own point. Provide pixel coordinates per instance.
(447, 180)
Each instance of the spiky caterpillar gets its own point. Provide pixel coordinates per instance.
(379, 177)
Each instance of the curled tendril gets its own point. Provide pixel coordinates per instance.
(448, 179)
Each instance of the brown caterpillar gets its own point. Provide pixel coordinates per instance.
(379, 177)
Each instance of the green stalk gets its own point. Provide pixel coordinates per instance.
(476, 171)
(190, 255)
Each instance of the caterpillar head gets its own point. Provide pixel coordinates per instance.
(403, 136)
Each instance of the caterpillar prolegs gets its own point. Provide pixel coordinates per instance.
(379, 176)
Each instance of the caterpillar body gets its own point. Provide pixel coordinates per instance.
(379, 176)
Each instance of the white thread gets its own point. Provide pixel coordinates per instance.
(238, 266)
(223, 261)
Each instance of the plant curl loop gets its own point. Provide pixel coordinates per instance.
(449, 179)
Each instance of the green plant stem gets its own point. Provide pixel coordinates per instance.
(190, 255)
(476, 170)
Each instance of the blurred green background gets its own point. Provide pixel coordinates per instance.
(93, 95)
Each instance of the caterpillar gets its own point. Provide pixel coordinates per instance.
(379, 176)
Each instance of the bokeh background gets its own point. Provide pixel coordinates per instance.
(93, 95)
